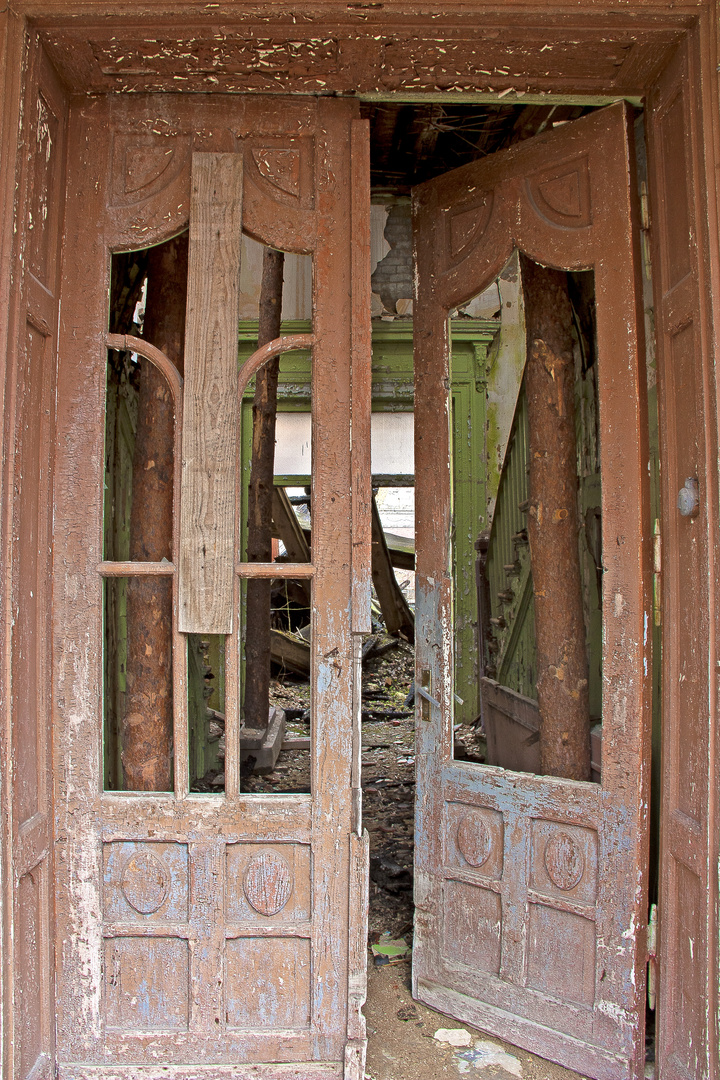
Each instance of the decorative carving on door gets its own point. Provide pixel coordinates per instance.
(561, 195)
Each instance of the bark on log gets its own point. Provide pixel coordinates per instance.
(148, 721)
(562, 669)
(256, 704)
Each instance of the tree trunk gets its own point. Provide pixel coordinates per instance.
(148, 720)
(562, 669)
(259, 536)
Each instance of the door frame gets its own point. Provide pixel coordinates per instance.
(24, 24)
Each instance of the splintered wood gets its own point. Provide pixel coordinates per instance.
(207, 513)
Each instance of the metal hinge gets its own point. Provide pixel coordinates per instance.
(652, 956)
(657, 568)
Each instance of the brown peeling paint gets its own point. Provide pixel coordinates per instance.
(256, 702)
(562, 672)
(148, 722)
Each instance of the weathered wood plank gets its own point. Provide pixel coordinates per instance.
(210, 396)
(264, 744)
(288, 528)
(289, 651)
(398, 617)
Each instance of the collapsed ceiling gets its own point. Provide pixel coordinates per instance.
(413, 143)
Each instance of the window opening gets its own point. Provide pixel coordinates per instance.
(513, 545)
(148, 294)
(276, 735)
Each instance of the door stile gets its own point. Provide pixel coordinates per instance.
(13, 52)
(332, 643)
(361, 584)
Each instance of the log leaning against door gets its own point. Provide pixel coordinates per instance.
(531, 891)
(210, 935)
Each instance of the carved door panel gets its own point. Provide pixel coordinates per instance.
(202, 934)
(687, 1031)
(531, 890)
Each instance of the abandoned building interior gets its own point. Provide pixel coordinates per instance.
(360, 492)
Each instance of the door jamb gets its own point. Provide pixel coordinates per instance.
(13, 30)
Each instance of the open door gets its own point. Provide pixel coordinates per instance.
(531, 903)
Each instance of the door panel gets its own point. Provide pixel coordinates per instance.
(530, 890)
(41, 180)
(687, 1000)
(201, 933)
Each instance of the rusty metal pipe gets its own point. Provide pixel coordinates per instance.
(256, 704)
(148, 721)
(553, 525)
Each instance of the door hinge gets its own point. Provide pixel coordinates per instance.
(657, 570)
(652, 956)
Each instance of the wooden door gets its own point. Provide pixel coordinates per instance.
(687, 1020)
(531, 890)
(213, 935)
(34, 268)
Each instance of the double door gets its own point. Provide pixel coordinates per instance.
(217, 934)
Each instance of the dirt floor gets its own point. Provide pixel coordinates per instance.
(402, 1043)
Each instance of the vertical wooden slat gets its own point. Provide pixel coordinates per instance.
(361, 360)
(332, 556)
(207, 508)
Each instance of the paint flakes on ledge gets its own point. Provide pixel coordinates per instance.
(453, 1036)
(491, 1056)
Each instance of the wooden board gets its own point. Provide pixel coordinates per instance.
(512, 728)
(396, 612)
(207, 507)
(293, 654)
